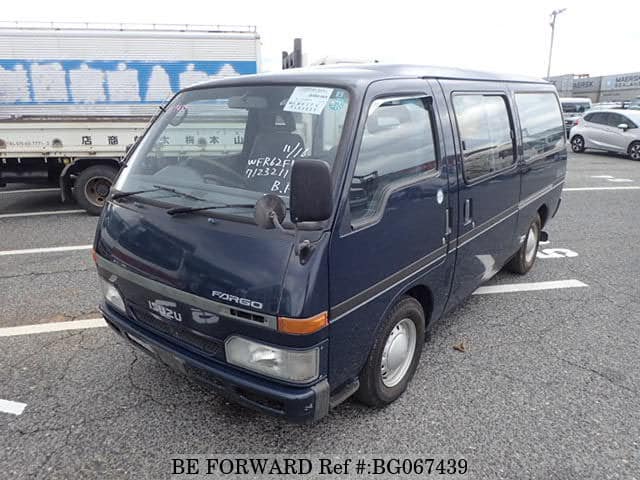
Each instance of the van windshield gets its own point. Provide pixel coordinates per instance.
(231, 145)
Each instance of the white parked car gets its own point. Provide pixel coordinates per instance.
(610, 130)
(572, 109)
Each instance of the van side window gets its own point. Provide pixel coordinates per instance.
(541, 123)
(485, 131)
(397, 146)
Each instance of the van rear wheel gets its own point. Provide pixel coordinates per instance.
(524, 259)
(394, 357)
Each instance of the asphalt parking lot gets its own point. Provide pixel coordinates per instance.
(548, 385)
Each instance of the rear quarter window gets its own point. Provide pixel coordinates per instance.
(541, 123)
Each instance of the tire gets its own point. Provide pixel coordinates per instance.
(92, 187)
(634, 151)
(383, 380)
(524, 259)
(577, 144)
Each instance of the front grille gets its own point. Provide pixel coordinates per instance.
(207, 346)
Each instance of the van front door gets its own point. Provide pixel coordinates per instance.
(392, 228)
(489, 187)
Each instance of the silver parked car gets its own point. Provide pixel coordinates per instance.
(611, 130)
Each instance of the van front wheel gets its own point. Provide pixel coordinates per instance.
(524, 259)
(394, 356)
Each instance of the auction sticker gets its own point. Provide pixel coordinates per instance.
(308, 100)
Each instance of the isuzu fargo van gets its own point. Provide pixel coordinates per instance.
(289, 238)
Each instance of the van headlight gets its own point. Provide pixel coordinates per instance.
(112, 295)
(299, 366)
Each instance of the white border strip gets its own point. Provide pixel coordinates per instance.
(529, 287)
(36, 214)
(52, 327)
(45, 250)
(15, 408)
(29, 190)
(585, 189)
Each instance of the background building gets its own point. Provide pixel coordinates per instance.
(609, 88)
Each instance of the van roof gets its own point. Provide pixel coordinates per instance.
(367, 73)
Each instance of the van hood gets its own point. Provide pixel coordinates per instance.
(233, 263)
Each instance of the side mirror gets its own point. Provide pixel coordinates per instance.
(623, 126)
(310, 198)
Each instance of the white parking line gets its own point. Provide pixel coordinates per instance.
(45, 250)
(30, 190)
(529, 287)
(15, 408)
(584, 189)
(52, 327)
(35, 214)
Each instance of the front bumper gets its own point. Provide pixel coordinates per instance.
(297, 404)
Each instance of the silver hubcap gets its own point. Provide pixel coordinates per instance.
(577, 144)
(635, 152)
(97, 189)
(530, 245)
(398, 352)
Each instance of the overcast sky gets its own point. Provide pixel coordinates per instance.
(598, 38)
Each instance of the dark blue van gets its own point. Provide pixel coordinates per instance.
(288, 238)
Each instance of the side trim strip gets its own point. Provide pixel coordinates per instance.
(351, 304)
(539, 194)
(486, 226)
(270, 321)
(347, 306)
(492, 222)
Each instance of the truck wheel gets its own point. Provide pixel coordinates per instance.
(92, 187)
(394, 356)
(634, 151)
(523, 261)
(577, 144)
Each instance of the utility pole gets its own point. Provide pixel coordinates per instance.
(554, 14)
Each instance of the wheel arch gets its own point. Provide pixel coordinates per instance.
(414, 289)
(423, 295)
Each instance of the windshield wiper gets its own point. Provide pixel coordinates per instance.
(118, 195)
(177, 210)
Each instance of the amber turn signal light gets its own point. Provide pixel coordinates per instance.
(303, 326)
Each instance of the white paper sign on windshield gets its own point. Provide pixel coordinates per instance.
(308, 100)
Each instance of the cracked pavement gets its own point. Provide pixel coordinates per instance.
(548, 385)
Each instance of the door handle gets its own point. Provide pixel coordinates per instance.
(467, 211)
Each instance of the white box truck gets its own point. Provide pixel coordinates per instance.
(74, 97)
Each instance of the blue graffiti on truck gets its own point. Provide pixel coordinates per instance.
(106, 82)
